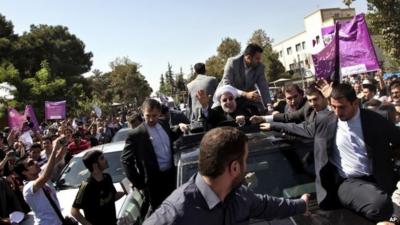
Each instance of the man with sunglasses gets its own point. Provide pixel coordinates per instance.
(37, 187)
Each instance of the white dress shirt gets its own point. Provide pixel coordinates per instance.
(162, 146)
(349, 154)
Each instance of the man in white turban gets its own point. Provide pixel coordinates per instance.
(228, 112)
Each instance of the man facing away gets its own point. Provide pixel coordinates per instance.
(97, 195)
(215, 195)
(202, 82)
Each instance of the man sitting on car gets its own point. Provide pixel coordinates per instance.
(228, 112)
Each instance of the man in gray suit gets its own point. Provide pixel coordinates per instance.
(202, 82)
(246, 73)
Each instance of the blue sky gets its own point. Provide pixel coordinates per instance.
(156, 32)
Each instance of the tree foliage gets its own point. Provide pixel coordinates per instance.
(273, 67)
(229, 47)
(384, 20)
(128, 85)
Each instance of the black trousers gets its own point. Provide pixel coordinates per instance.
(160, 186)
(364, 197)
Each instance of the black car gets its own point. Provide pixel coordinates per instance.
(278, 166)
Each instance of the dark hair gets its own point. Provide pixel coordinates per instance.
(344, 90)
(151, 104)
(135, 116)
(370, 87)
(390, 109)
(252, 49)
(47, 138)
(36, 145)
(19, 167)
(90, 158)
(77, 134)
(200, 68)
(394, 84)
(293, 87)
(218, 148)
(313, 90)
(375, 103)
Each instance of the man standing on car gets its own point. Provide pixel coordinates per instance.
(97, 195)
(245, 72)
(202, 82)
(147, 156)
(215, 195)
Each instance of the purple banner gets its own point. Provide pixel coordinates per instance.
(16, 119)
(356, 51)
(55, 110)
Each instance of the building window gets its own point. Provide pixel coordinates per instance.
(289, 51)
(317, 39)
(298, 47)
(280, 53)
(303, 45)
(292, 66)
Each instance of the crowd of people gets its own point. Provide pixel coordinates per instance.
(353, 125)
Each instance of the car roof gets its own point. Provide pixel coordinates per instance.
(106, 148)
(264, 142)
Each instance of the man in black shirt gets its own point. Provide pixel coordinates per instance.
(97, 195)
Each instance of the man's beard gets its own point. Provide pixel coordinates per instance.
(239, 180)
(229, 109)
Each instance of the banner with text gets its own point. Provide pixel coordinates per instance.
(55, 110)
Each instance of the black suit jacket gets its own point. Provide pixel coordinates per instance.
(138, 157)
(380, 136)
(304, 113)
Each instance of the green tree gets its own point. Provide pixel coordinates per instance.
(384, 20)
(64, 52)
(128, 85)
(170, 85)
(99, 87)
(7, 38)
(273, 67)
(43, 86)
(162, 88)
(229, 47)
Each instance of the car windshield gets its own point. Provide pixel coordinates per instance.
(283, 173)
(76, 171)
(121, 135)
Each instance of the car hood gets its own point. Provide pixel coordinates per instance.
(320, 217)
(66, 198)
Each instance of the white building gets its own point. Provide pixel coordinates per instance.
(295, 52)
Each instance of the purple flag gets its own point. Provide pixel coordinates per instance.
(55, 110)
(29, 112)
(325, 61)
(15, 119)
(356, 51)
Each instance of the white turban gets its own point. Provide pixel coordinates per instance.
(224, 89)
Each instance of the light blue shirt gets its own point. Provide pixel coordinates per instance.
(162, 146)
(349, 154)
